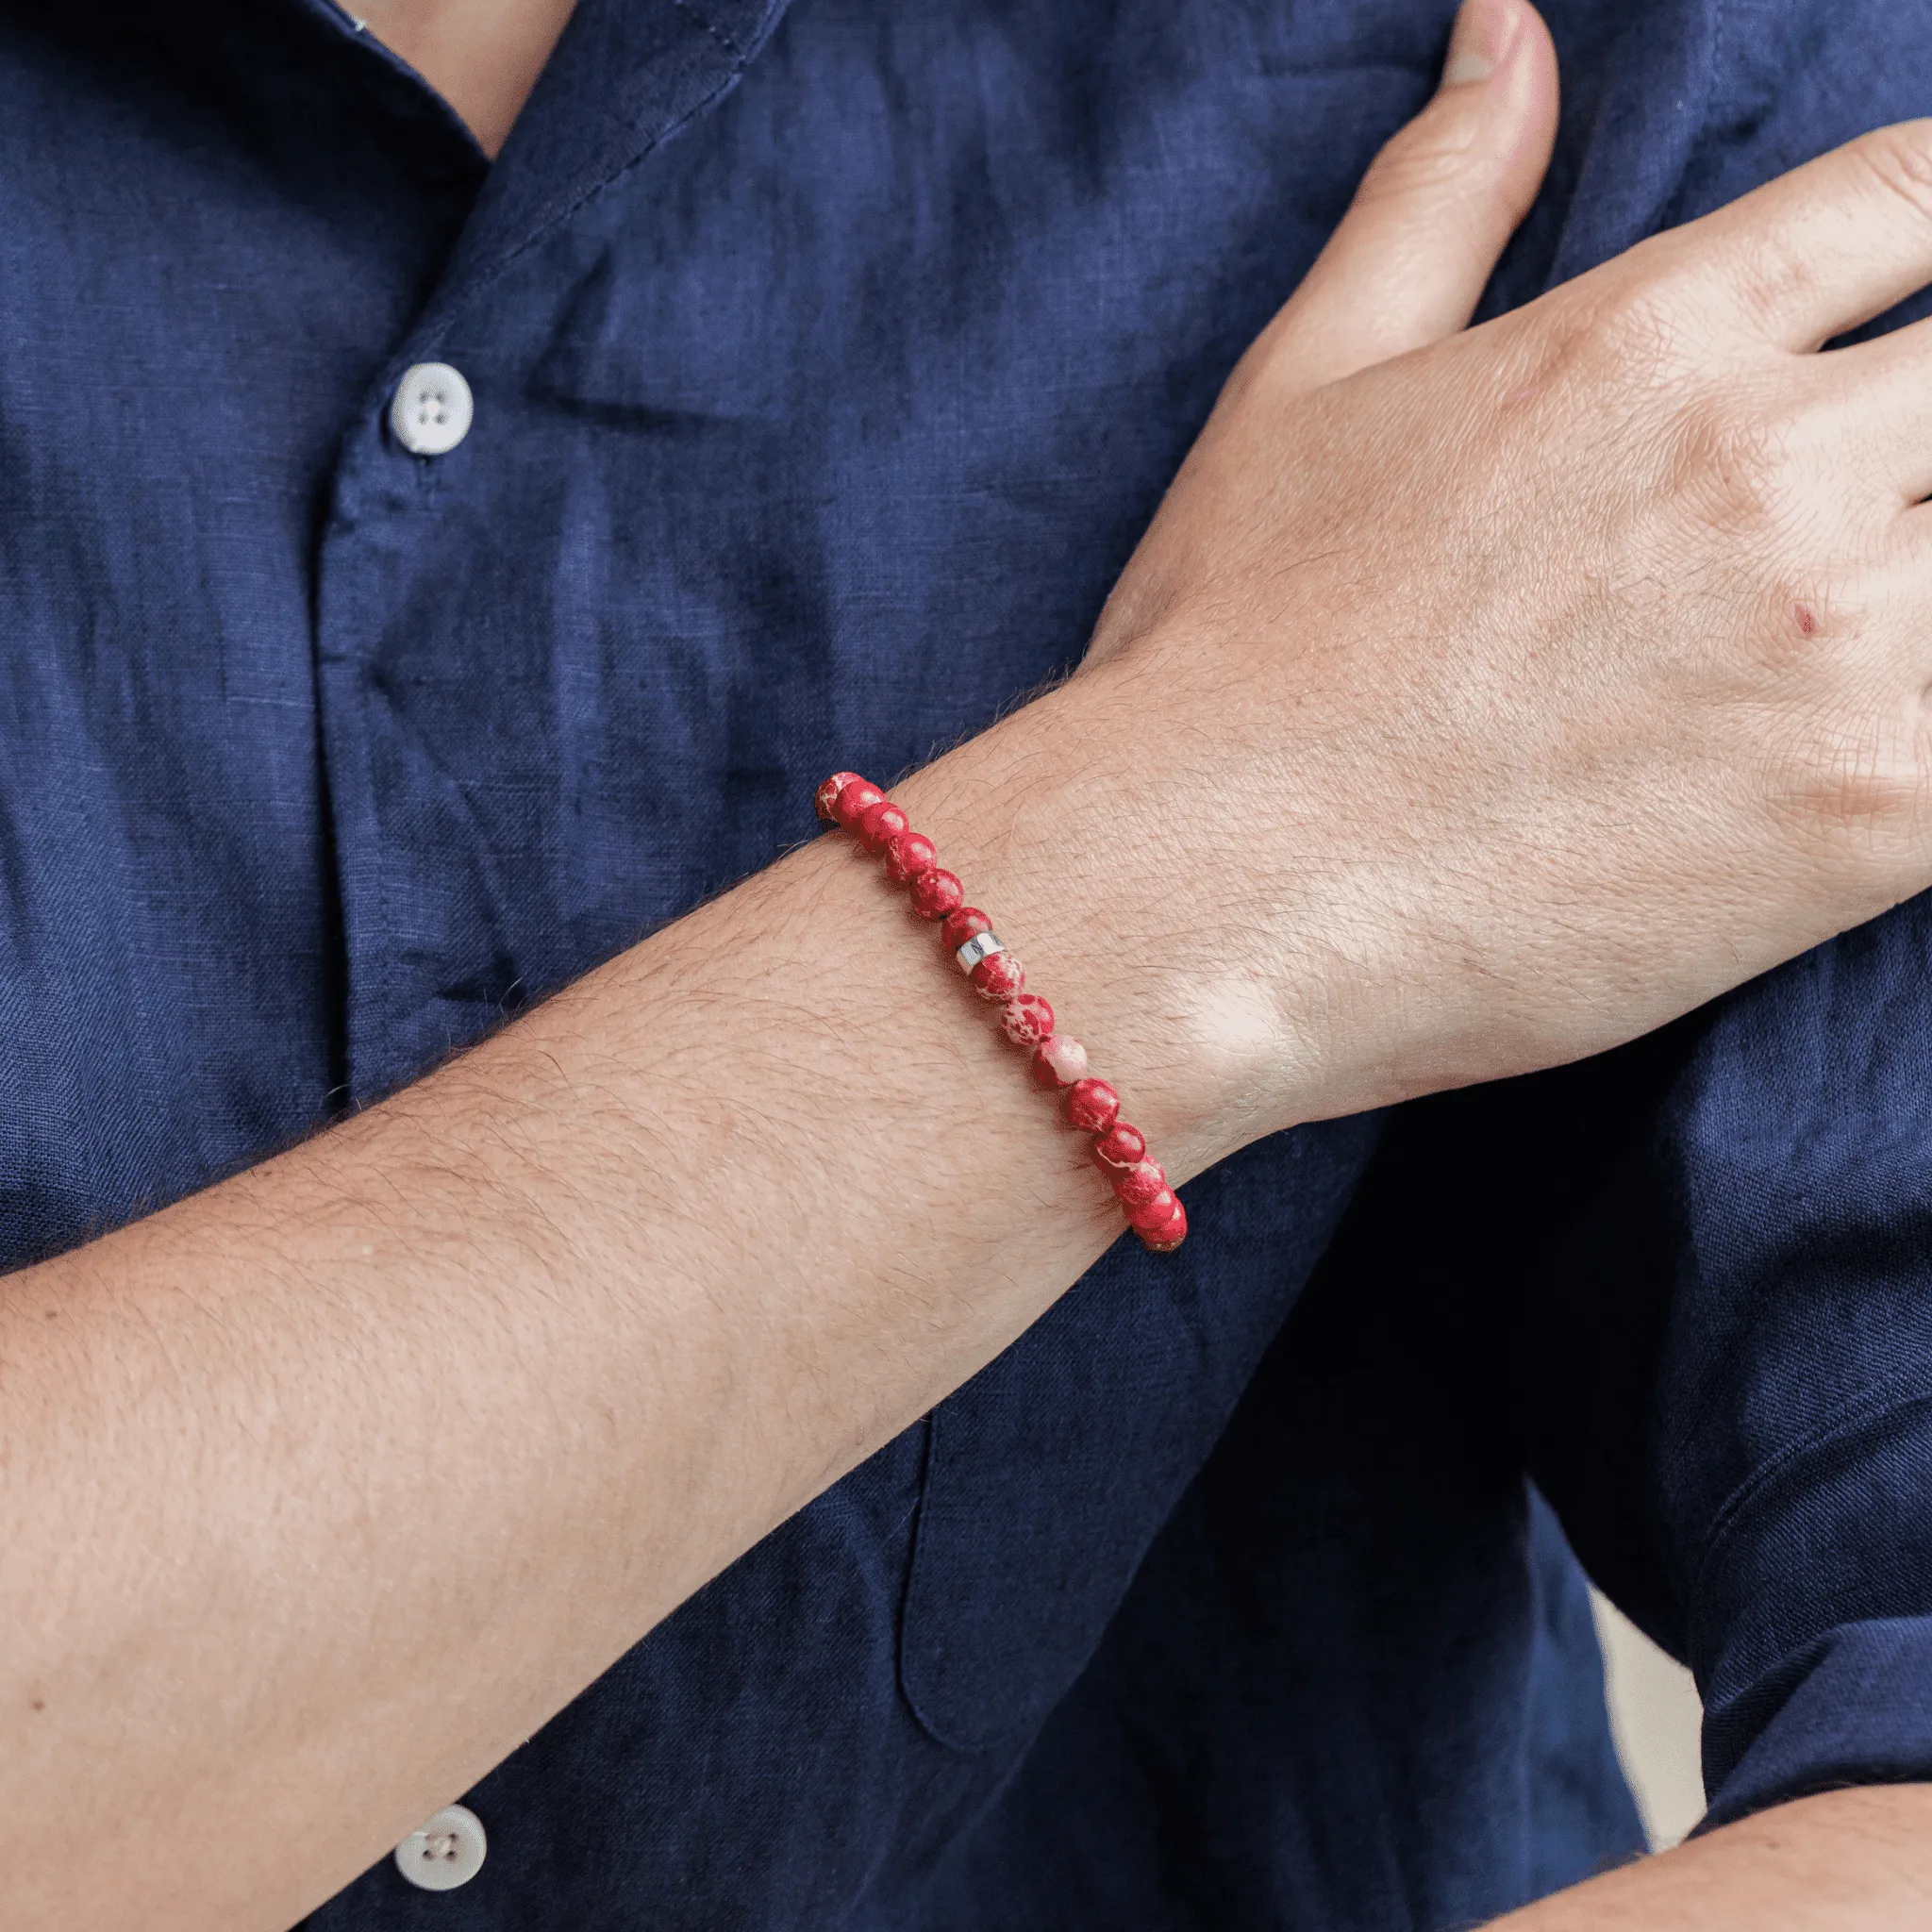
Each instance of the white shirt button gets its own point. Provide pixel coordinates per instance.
(432, 409)
(445, 1853)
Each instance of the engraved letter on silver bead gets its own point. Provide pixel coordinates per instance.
(981, 946)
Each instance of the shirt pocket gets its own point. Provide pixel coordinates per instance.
(1049, 1473)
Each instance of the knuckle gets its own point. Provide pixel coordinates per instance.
(1597, 350)
(1624, 329)
(1639, 328)
(1727, 466)
(1863, 782)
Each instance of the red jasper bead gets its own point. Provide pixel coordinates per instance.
(856, 798)
(1155, 1212)
(1092, 1106)
(1119, 1148)
(999, 978)
(966, 923)
(880, 823)
(935, 893)
(1058, 1061)
(1169, 1236)
(826, 795)
(1122, 1145)
(908, 855)
(1142, 1183)
(1027, 1019)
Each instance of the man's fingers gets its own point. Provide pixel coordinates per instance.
(1827, 246)
(1408, 262)
(1871, 411)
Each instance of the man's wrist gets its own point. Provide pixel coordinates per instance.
(1132, 900)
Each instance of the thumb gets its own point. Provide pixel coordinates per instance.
(1408, 262)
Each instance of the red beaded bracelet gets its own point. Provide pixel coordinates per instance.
(1152, 1211)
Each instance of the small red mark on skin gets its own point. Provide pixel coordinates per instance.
(39, 1704)
(1807, 621)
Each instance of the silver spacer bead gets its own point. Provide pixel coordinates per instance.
(981, 946)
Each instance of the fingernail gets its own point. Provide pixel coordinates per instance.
(1484, 33)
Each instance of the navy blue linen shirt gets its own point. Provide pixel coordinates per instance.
(827, 362)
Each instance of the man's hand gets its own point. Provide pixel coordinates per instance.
(1536, 685)
(1461, 712)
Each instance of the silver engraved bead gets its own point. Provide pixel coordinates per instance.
(981, 946)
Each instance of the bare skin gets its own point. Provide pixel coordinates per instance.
(1554, 677)
(483, 56)
(1841, 1861)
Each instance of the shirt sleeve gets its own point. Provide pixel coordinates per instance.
(1723, 1344)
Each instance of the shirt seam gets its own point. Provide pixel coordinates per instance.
(716, 32)
(739, 55)
(1848, 1419)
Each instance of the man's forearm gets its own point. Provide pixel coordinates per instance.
(344, 1476)
(1843, 1862)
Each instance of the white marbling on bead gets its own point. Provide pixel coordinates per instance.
(1067, 1057)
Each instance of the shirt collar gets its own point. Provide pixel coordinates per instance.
(626, 75)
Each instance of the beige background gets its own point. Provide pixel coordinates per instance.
(1654, 1716)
